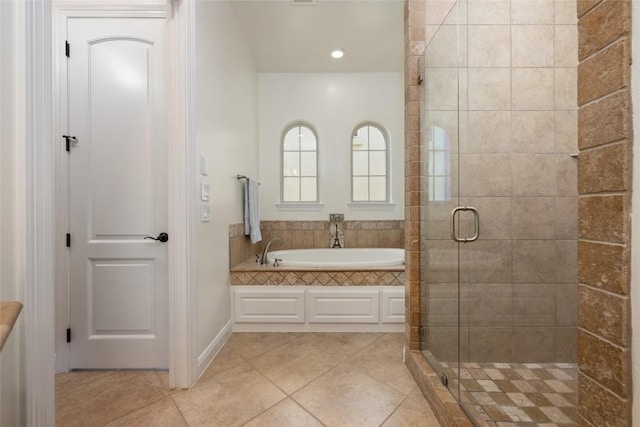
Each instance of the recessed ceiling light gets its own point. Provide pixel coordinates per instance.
(337, 53)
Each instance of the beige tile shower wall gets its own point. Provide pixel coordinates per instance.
(513, 124)
(315, 234)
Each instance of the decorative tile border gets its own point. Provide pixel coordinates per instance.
(317, 278)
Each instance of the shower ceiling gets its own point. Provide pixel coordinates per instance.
(286, 38)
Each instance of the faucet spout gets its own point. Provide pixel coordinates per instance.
(263, 259)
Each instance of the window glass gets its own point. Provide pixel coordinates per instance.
(299, 164)
(369, 164)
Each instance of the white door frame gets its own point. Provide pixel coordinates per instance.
(44, 226)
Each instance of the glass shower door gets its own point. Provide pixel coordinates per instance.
(441, 122)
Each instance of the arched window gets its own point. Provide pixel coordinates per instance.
(299, 164)
(369, 164)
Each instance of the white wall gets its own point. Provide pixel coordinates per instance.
(227, 134)
(12, 205)
(334, 104)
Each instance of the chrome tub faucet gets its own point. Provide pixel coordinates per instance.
(263, 259)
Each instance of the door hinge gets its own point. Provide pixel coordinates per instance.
(68, 139)
(68, 334)
(67, 49)
(68, 240)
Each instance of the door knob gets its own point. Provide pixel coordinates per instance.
(162, 237)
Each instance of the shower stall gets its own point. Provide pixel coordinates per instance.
(498, 285)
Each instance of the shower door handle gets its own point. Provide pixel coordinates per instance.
(476, 224)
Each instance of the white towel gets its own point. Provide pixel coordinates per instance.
(252, 211)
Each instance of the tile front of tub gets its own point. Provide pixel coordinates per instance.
(318, 278)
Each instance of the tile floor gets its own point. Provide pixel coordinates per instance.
(260, 379)
(523, 395)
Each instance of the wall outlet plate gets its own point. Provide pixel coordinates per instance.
(205, 213)
(204, 165)
(205, 192)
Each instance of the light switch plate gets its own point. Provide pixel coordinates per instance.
(204, 165)
(205, 215)
(204, 192)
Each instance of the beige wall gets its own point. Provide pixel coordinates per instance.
(227, 134)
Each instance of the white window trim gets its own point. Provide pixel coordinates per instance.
(300, 206)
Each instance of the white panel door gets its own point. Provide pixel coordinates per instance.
(117, 193)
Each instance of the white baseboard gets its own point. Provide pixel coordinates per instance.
(209, 353)
(319, 327)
